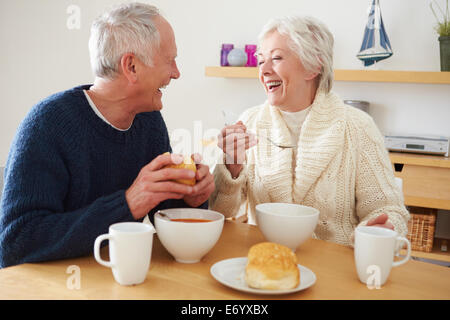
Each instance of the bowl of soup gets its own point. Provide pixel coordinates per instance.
(288, 224)
(188, 234)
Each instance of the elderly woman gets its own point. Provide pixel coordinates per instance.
(339, 164)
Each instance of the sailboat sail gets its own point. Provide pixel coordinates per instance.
(375, 45)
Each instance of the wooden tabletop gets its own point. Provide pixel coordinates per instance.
(167, 279)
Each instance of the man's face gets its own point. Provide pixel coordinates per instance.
(153, 78)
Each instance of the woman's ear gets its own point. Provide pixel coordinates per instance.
(128, 67)
(311, 75)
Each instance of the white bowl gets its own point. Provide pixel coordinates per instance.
(288, 224)
(188, 242)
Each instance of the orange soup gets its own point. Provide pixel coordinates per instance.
(191, 220)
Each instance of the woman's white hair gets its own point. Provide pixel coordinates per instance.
(128, 28)
(311, 40)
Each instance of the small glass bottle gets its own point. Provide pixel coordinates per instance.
(226, 48)
(252, 61)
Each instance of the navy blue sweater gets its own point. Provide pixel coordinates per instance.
(66, 176)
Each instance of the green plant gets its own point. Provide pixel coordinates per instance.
(443, 26)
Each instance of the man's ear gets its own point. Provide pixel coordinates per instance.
(128, 67)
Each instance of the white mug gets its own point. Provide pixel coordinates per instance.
(374, 253)
(130, 251)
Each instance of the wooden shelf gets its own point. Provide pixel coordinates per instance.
(426, 179)
(426, 183)
(393, 76)
(420, 159)
(435, 254)
(232, 72)
(344, 75)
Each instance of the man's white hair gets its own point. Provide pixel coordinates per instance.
(128, 28)
(311, 40)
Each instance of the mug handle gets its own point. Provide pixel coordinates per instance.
(408, 254)
(97, 243)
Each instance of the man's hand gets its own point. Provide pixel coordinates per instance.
(381, 221)
(204, 186)
(154, 184)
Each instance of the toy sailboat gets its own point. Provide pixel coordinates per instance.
(375, 45)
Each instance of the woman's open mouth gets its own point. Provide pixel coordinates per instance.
(273, 85)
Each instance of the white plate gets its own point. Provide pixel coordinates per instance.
(231, 273)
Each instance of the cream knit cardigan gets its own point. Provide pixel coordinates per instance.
(342, 169)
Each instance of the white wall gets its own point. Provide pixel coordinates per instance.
(39, 55)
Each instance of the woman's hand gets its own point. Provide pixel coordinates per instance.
(381, 221)
(234, 140)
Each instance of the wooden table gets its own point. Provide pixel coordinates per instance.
(333, 265)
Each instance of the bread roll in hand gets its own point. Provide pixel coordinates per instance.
(187, 163)
(271, 266)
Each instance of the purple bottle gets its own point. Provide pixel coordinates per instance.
(252, 61)
(226, 48)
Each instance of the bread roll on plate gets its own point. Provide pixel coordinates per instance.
(271, 266)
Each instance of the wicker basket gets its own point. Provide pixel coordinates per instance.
(421, 230)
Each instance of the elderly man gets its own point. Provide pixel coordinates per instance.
(91, 156)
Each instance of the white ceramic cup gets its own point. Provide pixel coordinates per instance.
(374, 253)
(130, 251)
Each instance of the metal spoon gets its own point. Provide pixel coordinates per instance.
(161, 213)
(280, 145)
(231, 115)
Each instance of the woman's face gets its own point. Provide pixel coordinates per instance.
(286, 82)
